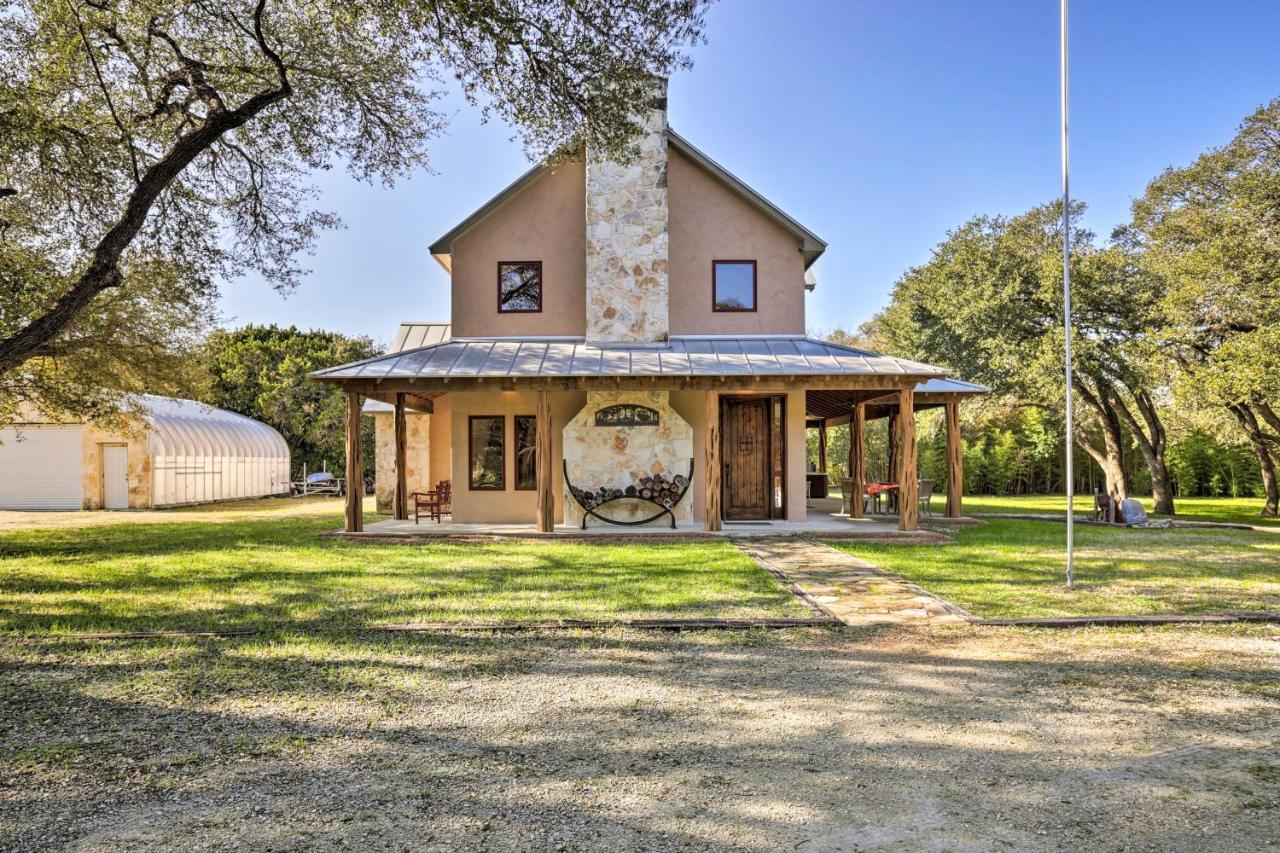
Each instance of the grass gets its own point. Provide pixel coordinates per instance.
(1233, 510)
(1009, 568)
(263, 565)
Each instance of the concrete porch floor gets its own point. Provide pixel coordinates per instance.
(822, 518)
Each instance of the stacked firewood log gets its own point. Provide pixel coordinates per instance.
(658, 488)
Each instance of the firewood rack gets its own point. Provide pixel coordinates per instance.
(662, 492)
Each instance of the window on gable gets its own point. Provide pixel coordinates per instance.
(519, 286)
(526, 452)
(487, 438)
(733, 285)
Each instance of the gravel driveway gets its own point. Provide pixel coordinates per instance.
(950, 738)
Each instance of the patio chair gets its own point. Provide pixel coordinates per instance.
(925, 496)
(434, 504)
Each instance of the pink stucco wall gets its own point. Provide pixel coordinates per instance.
(711, 222)
(545, 221)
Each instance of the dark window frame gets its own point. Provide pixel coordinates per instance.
(515, 426)
(755, 287)
(471, 454)
(541, 284)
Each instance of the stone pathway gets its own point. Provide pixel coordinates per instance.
(850, 589)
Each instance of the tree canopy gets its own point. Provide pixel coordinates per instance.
(261, 372)
(153, 149)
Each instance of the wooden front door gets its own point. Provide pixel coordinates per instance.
(745, 451)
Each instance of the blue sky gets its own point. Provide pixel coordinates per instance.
(878, 125)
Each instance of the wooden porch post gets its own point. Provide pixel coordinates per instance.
(400, 500)
(857, 457)
(908, 487)
(955, 461)
(355, 467)
(822, 446)
(891, 466)
(711, 468)
(542, 461)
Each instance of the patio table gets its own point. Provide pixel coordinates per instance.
(878, 489)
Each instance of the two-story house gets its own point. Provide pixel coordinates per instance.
(637, 324)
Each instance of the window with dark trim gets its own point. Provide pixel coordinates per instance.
(486, 445)
(733, 285)
(526, 452)
(519, 287)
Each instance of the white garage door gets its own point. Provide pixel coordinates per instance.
(41, 468)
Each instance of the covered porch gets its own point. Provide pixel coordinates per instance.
(832, 409)
(732, 414)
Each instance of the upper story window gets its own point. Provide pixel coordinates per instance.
(519, 286)
(733, 285)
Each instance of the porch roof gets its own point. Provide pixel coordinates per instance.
(773, 356)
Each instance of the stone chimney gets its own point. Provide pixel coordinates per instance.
(627, 238)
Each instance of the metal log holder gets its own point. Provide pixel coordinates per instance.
(663, 492)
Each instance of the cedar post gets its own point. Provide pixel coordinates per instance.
(400, 500)
(822, 446)
(355, 466)
(857, 457)
(546, 513)
(955, 461)
(711, 473)
(908, 487)
(891, 468)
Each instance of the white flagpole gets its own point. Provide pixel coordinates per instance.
(1066, 302)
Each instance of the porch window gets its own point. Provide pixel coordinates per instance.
(733, 285)
(526, 452)
(486, 443)
(519, 287)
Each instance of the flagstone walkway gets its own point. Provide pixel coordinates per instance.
(852, 590)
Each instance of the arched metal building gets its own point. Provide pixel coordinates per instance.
(202, 454)
(174, 452)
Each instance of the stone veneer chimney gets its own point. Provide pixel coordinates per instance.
(627, 238)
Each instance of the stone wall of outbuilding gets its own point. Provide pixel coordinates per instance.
(140, 475)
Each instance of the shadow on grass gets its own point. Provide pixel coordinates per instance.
(699, 741)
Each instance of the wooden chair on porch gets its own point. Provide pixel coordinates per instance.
(435, 504)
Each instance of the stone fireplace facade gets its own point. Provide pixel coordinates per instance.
(618, 456)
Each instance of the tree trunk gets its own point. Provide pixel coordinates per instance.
(1244, 414)
(1110, 457)
(1150, 437)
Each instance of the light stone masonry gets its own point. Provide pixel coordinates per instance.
(627, 239)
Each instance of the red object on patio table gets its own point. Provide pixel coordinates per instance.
(877, 489)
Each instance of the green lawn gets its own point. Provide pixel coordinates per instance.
(272, 571)
(1009, 568)
(1235, 510)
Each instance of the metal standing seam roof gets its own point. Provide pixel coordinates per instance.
(684, 356)
(415, 335)
(951, 386)
(188, 428)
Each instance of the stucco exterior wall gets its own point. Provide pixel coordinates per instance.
(440, 463)
(543, 222)
(508, 505)
(619, 456)
(417, 456)
(709, 222)
(139, 476)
